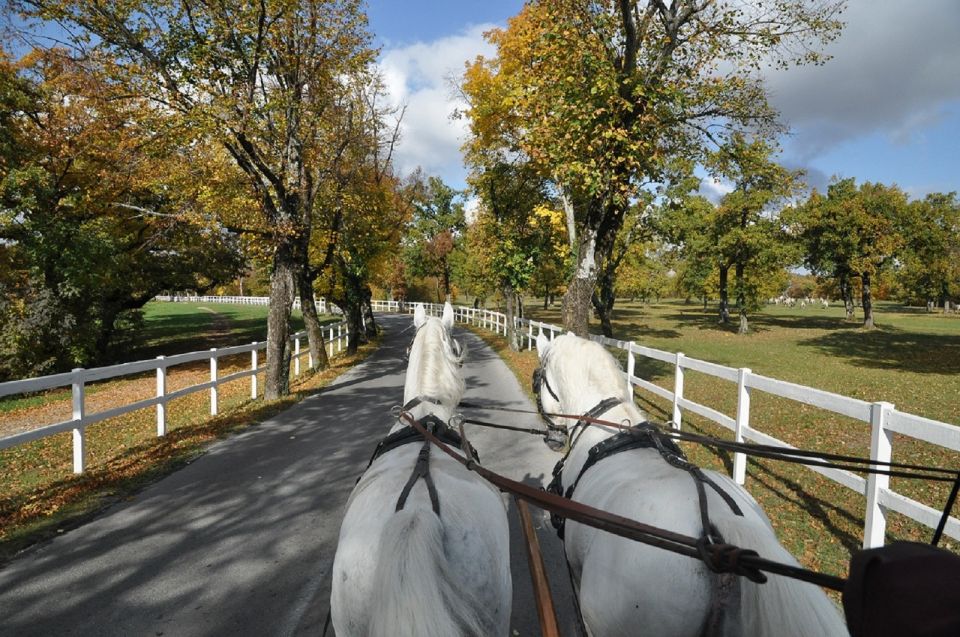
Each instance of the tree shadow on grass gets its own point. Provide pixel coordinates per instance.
(892, 348)
(790, 491)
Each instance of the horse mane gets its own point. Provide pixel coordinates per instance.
(437, 366)
(602, 378)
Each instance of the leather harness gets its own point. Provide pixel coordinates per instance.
(421, 469)
(726, 589)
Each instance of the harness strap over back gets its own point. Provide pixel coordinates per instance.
(421, 469)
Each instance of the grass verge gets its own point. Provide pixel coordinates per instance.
(40, 498)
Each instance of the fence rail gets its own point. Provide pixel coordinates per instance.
(882, 417)
(79, 378)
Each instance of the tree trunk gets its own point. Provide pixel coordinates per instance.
(509, 301)
(741, 300)
(867, 302)
(369, 323)
(277, 375)
(604, 297)
(354, 326)
(519, 306)
(846, 293)
(724, 295)
(318, 353)
(577, 300)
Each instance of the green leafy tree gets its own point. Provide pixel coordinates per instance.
(930, 263)
(87, 234)
(434, 230)
(851, 232)
(749, 237)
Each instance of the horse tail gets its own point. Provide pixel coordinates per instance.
(414, 591)
(782, 606)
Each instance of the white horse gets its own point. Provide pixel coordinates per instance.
(440, 564)
(629, 588)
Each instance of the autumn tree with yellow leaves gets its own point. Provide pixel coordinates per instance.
(260, 79)
(602, 96)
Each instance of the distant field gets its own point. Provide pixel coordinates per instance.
(911, 360)
(172, 328)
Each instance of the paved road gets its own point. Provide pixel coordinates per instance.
(241, 541)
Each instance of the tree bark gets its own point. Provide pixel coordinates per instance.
(867, 301)
(577, 300)
(311, 321)
(724, 295)
(277, 375)
(604, 296)
(354, 326)
(369, 323)
(846, 293)
(509, 301)
(741, 300)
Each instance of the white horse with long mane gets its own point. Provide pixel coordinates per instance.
(628, 588)
(423, 554)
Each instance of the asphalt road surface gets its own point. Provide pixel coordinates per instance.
(241, 541)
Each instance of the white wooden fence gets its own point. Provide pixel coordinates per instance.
(322, 306)
(78, 379)
(883, 418)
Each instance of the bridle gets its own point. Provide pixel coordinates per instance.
(557, 436)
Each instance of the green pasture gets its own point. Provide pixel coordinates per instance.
(912, 359)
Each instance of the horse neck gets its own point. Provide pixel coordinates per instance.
(430, 372)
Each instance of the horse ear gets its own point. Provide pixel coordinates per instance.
(419, 315)
(543, 344)
(447, 318)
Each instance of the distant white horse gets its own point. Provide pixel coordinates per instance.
(423, 553)
(629, 588)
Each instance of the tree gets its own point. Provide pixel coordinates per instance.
(930, 263)
(851, 232)
(434, 230)
(257, 78)
(749, 236)
(88, 234)
(607, 94)
(507, 234)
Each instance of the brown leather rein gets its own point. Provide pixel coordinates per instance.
(720, 558)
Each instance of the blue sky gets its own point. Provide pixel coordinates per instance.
(886, 108)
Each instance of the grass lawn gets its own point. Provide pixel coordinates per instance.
(911, 360)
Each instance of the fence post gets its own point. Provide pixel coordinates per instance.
(213, 379)
(631, 367)
(677, 390)
(253, 366)
(529, 335)
(881, 450)
(340, 338)
(743, 420)
(161, 397)
(296, 355)
(330, 341)
(79, 454)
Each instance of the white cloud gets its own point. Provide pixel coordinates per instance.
(422, 77)
(714, 189)
(894, 71)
